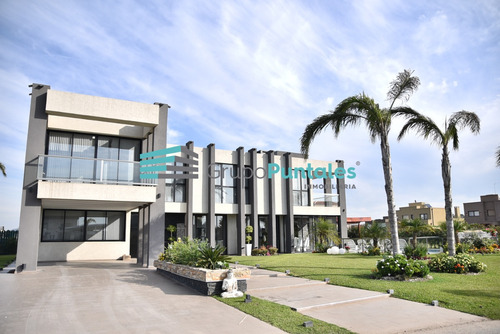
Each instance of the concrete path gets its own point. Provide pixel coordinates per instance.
(363, 311)
(112, 297)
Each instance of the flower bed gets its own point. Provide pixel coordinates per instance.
(400, 267)
(205, 281)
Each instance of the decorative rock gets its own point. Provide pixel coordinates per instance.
(333, 250)
(342, 251)
(307, 324)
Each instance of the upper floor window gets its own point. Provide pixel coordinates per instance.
(86, 157)
(300, 188)
(406, 217)
(175, 189)
(474, 213)
(225, 184)
(424, 216)
(248, 185)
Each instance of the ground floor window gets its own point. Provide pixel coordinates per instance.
(221, 230)
(263, 230)
(200, 227)
(80, 225)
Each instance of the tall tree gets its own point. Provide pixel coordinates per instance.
(2, 168)
(498, 156)
(376, 231)
(362, 109)
(414, 227)
(426, 127)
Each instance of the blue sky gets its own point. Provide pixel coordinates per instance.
(255, 73)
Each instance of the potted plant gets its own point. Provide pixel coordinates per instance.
(248, 239)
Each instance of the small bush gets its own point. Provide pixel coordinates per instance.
(373, 251)
(321, 248)
(399, 265)
(458, 264)
(417, 253)
(183, 252)
(213, 258)
(263, 250)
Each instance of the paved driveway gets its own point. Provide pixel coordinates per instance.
(112, 297)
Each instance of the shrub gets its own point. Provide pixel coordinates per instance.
(459, 264)
(213, 258)
(321, 247)
(418, 252)
(263, 250)
(373, 251)
(399, 265)
(183, 252)
(273, 250)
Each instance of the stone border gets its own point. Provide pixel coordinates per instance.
(207, 282)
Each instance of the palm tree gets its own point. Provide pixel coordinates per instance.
(2, 168)
(459, 225)
(414, 227)
(376, 231)
(426, 127)
(497, 154)
(361, 108)
(326, 232)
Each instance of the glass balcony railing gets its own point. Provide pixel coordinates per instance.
(85, 170)
(326, 200)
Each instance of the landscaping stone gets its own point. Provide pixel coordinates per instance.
(205, 281)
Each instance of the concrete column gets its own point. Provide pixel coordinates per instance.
(342, 203)
(189, 200)
(31, 206)
(271, 221)
(240, 189)
(140, 238)
(156, 228)
(254, 215)
(211, 197)
(289, 219)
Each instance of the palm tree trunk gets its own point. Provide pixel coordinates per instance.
(446, 173)
(386, 164)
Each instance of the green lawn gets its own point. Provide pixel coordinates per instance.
(281, 316)
(476, 294)
(5, 260)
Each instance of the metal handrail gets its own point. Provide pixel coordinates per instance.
(97, 172)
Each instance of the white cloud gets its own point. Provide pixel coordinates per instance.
(254, 74)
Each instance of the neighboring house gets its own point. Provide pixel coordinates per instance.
(84, 198)
(428, 214)
(486, 212)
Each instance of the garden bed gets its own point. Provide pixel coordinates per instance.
(207, 282)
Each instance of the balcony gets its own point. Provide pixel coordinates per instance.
(326, 200)
(91, 184)
(85, 170)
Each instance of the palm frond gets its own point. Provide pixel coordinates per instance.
(460, 120)
(348, 112)
(2, 168)
(403, 87)
(423, 126)
(498, 156)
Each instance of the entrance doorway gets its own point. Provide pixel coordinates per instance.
(303, 234)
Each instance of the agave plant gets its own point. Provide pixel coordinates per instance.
(213, 258)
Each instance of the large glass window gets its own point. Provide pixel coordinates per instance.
(248, 185)
(175, 189)
(221, 230)
(200, 227)
(75, 225)
(263, 230)
(85, 148)
(300, 188)
(225, 185)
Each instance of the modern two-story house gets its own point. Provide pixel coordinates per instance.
(84, 197)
